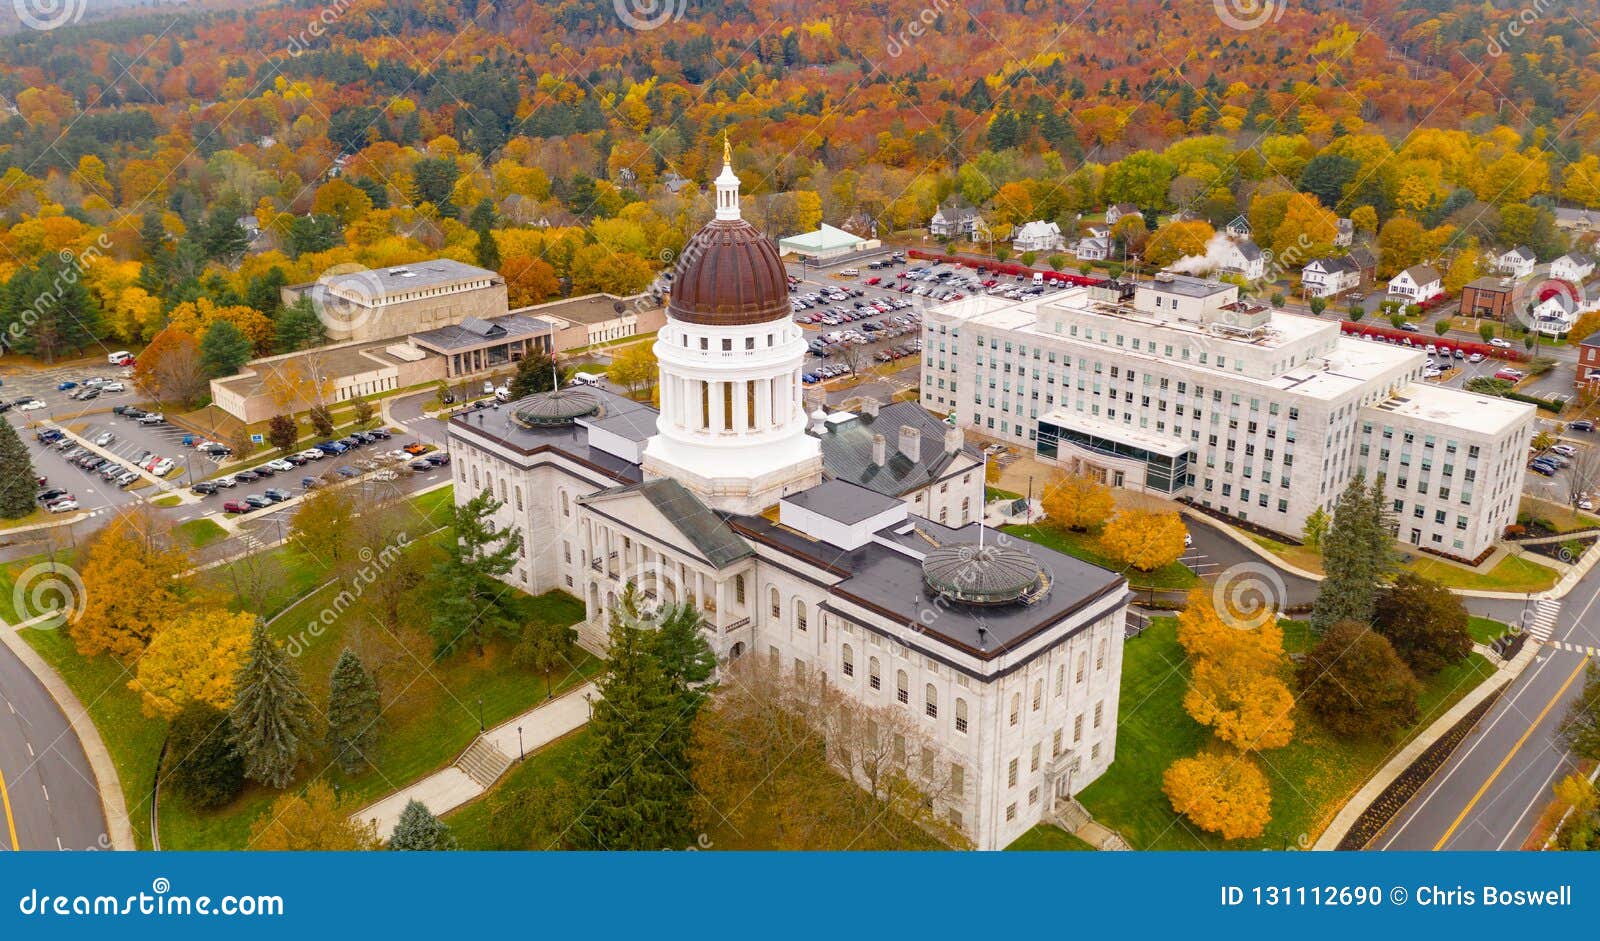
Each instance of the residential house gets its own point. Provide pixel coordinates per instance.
(1580, 220)
(1038, 236)
(1555, 315)
(1116, 211)
(1242, 257)
(1345, 235)
(1093, 249)
(1239, 228)
(1518, 263)
(1490, 296)
(1416, 284)
(1574, 267)
(1589, 360)
(1366, 262)
(955, 221)
(1330, 276)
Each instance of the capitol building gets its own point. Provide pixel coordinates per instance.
(844, 545)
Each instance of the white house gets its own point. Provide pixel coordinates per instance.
(1326, 277)
(1038, 236)
(954, 220)
(1242, 257)
(1117, 211)
(1345, 235)
(1094, 248)
(1239, 228)
(1581, 220)
(1575, 267)
(1518, 262)
(1416, 284)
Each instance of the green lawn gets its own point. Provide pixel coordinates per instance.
(1311, 778)
(201, 532)
(1513, 573)
(1048, 837)
(1087, 547)
(1485, 630)
(506, 818)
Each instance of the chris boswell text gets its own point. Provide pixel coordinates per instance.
(1422, 896)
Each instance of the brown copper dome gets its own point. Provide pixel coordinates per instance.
(729, 275)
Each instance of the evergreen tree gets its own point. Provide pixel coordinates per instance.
(298, 327)
(634, 788)
(18, 482)
(224, 349)
(47, 311)
(201, 766)
(682, 649)
(419, 830)
(535, 373)
(471, 601)
(488, 249)
(353, 709)
(1357, 555)
(546, 647)
(271, 715)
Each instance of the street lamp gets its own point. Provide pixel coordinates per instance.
(480, 716)
(521, 754)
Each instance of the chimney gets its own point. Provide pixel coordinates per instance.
(880, 450)
(953, 440)
(869, 408)
(911, 442)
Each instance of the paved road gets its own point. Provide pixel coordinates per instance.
(1490, 793)
(52, 800)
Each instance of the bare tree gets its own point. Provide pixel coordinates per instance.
(786, 752)
(1583, 474)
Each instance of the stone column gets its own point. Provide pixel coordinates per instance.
(764, 404)
(741, 406)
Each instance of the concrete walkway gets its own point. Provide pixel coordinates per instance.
(449, 788)
(1413, 749)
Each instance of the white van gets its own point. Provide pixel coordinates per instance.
(584, 379)
(503, 394)
(116, 358)
(1038, 277)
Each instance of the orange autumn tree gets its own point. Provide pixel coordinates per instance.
(1077, 501)
(1203, 633)
(1246, 707)
(191, 659)
(193, 317)
(1224, 793)
(1147, 541)
(129, 586)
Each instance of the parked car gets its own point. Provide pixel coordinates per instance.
(163, 468)
(113, 387)
(417, 447)
(1565, 450)
(421, 465)
(236, 506)
(64, 506)
(54, 493)
(204, 488)
(345, 470)
(438, 458)
(30, 406)
(1502, 344)
(264, 471)
(64, 386)
(246, 476)
(154, 418)
(256, 501)
(313, 454)
(228, 482)
(1582, 424)
(276, 495)
(104, 439)
(279, 465)
(380, 434)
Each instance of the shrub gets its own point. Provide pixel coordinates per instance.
(1356, 685)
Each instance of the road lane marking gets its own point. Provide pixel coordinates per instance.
(1511, 754)
(11, 823)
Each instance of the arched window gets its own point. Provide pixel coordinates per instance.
(848, 666)
(931, 701)
(961, 715)
(475, 478)
(902, 687)
(1016, 707)
(799, 615)
(566, 510)
(874, 680)
(519, 496)
(777, 604)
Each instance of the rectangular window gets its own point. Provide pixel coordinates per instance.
(1011, 773)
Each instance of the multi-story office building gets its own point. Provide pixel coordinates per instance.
(1178, 387)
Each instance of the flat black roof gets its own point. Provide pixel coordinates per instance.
(842, 501)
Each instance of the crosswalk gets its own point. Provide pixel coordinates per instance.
(1575, 648)
(1543, 622)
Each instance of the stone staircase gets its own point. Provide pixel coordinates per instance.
(1071, 816)
(483, 762)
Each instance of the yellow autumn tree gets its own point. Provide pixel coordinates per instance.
(193, 317)
(129, 591)
(1204, 634)
(315, 820)
(1077, 501)
(1221, 792)
(192, 658)
(1247, 707)
(1147, 541)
